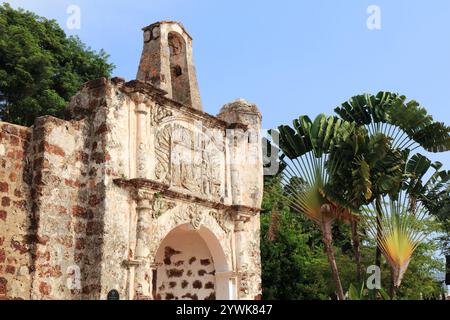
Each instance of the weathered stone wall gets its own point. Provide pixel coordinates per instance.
(16, 234)
(68, 195)
(89, 205)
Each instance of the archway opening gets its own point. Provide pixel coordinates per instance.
(190, 266)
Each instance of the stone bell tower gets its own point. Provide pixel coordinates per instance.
(167, 62)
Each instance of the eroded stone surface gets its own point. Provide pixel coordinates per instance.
(91, 204)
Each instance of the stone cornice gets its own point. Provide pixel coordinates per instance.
(155, 94)
(157, 24)
(159, 96)
(163, 190)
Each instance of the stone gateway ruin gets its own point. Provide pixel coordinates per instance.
(140, 191)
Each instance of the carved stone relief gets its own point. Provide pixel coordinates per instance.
(224, 220)
(190, 161)
(161, 206)
(159, 113)
(193, 214)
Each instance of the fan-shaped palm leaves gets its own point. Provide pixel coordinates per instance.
(398, 234)
(306, 172)
(406, 122)
(406, 125)
(332, 167)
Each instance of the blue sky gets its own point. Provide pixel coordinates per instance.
(289, 57)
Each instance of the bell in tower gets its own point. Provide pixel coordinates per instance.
(168, 64)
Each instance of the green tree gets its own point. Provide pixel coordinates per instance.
(40, 67)
(295, 266)
(333, 168)
(306, 172)
(405, 126)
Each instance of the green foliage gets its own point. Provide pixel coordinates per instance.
(294, 264)
(291, 269)
(40, 67)
(407, 123)
(433, 193)
(362, 293)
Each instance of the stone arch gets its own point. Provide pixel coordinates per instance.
(199, 228)
(179, 71)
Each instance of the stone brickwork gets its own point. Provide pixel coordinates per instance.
(16, 228)
(92, 204)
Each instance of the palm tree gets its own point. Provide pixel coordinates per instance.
(399, 235)
(306, 171)
(368, 166)
(400, 231)
(405, 124)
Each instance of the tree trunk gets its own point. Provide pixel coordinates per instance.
(379, 213)
(327, 240)
(393, 288)
(356, 248)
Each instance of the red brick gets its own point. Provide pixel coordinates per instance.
(93, 227)
(18, 193)
(44, 288)
(83, 157)
(50, 148)
(50, 271)
(2, 256)
(14, 141)
(42, 240)
(10, 269)
(6, 202)
(78, 257)
(44, 255)
(80, 227)
(59, 209)
(4, 187)
(4, 137)
(72, 183)
(3, 285)
(3, 215)
(65, 241)
(18, 246)
(102, 129)
(19, 155)
(22, 204)
(94, 200)
(80, 244)
(13, 177)
(79, 211)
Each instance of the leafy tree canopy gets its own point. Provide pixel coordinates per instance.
(40, 67)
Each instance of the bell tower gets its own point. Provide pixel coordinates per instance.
(167, 62)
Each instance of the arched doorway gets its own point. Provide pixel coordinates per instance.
(191, 266)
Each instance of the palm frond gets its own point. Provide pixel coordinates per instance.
(399, 234)
(407, 123)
